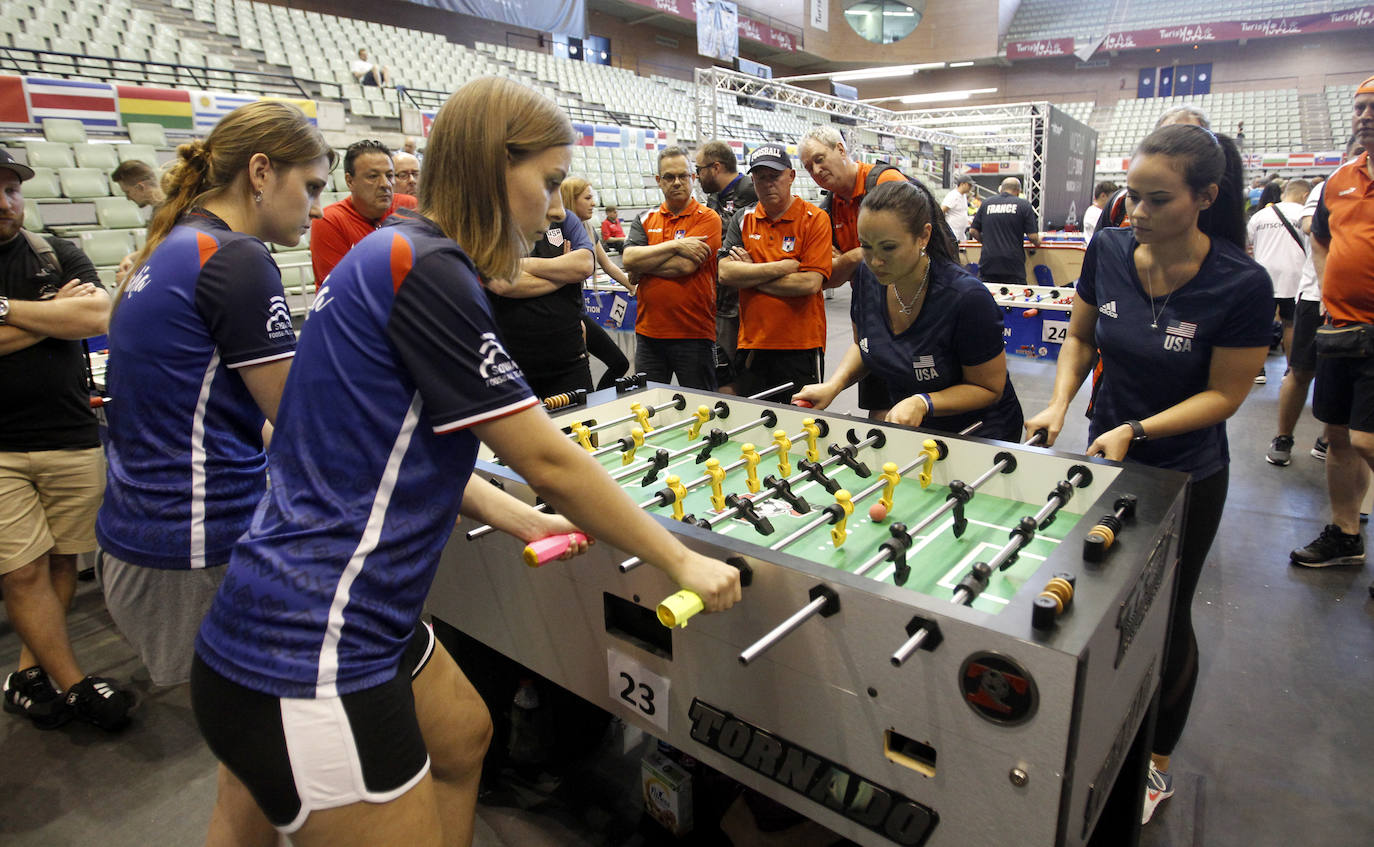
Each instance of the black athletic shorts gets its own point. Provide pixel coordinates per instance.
(760, 370)
(1306, 318)
(1285, 306)
(301, 755)
(1344, 392)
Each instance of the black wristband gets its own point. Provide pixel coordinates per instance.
(1137, 431)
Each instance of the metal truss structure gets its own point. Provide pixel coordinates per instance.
(1018, 128)
(712, 82)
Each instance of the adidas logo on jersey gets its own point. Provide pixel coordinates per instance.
(863, 344)
(1108, 309)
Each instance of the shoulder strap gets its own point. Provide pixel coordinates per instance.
(1288, 226)
(44, 251)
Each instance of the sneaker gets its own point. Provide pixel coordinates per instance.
(1261, 379)
(1280, 451)
(1332, 547)
(1319, 450)
(29, 693)
(95, 700)
(1159, 786)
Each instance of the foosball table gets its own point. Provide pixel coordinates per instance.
(943, 640)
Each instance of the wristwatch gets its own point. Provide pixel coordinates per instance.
(1137, 432)
(4, 310)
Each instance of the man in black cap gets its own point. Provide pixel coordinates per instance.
(1000, 224)
(52, 473)
(778, 256)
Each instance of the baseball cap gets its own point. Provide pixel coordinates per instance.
(1366, 87)
(7, 161)
(769, 156)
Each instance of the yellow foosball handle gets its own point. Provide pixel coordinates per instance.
(680, 607)
(677, 609)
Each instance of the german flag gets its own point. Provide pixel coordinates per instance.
(167, 106)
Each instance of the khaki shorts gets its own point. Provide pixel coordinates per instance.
(48, 501)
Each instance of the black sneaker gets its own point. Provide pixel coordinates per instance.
(1280, 451)
(96, 700)
(29, 693)
(1319, 450)
(1332, 547)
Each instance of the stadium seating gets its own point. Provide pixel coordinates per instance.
(1271, 119)
(1086, 19)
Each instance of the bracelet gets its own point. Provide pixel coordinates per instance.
(1137, 431)
(930, 407)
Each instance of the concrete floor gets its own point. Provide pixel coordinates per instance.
(1279, 750)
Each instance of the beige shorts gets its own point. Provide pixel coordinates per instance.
(48, 501)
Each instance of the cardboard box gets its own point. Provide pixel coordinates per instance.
(667, 793)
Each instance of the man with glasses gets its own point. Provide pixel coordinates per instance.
(371, 180)
(407, 174)
(727, 193)
(778, 255)
(672, 250)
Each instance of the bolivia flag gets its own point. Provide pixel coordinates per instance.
(167, 106)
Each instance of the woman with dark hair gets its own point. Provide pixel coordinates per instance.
(1181, 316)
(580, 202)
(924, 324)
(338, 718)
(200, 345)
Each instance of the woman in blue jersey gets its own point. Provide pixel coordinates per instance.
(1182, 319)
(200, 344)
(921, 322)
(308, 685)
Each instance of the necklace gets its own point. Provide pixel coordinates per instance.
(904, 307)
(1150, 292)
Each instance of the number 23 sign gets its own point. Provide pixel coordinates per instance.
(637, 689)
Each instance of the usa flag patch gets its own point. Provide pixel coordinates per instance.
(1182, 329)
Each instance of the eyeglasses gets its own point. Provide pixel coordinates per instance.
(675, 177)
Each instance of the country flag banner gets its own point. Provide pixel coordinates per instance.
(586, 134)
(427, 122)
(306, 106)
(170, 107)
(607, 136)
(923, 362)
(1275, 160)
(14, 107)
(1300, 160)
(209, 106)
(1182, 329)
(92, 103)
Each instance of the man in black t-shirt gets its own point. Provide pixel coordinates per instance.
(728, 192)
(1000, 224)
(52, 473)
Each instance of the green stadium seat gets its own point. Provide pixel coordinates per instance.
(303, 245)
(102, 156)
(107, 246)
(43, 185)
(49, 154)
(141, 152)
(33, 220)
(150, 134)
(64, 130)
(118, 213)
(83, 183)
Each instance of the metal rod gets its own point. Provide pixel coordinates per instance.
(820, 519)
(486, 528)
(782, 630)
(774, 390)
(669, 428)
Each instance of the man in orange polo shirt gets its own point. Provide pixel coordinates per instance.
(826, 157)
(673, 251)
(778, 255)
(1343, 241)
(371, 179)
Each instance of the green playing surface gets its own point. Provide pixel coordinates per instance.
(938, 560)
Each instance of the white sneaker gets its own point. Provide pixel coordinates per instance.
(1159, 786)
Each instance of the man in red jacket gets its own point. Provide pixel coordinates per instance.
(371, 179)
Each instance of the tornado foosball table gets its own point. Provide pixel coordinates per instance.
(943, 640)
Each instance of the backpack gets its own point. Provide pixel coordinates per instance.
(870, 182)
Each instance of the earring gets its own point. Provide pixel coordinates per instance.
(257, 198)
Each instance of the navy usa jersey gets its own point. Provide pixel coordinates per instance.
(398, 358)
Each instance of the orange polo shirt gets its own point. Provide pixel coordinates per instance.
(844, 211)
(685, 307)
(769, 322)
(1348, 284)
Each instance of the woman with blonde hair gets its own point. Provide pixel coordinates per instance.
(580, 202)
(200, 344)
(334, 712)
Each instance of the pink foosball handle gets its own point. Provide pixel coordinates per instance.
(545, 550)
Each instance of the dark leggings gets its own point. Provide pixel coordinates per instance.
(603, 348)
(1201, 517)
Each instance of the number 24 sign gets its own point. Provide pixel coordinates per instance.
(637, 689)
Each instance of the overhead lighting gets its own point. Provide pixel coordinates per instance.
(889, 71)
(961, 64)
(937, 96)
